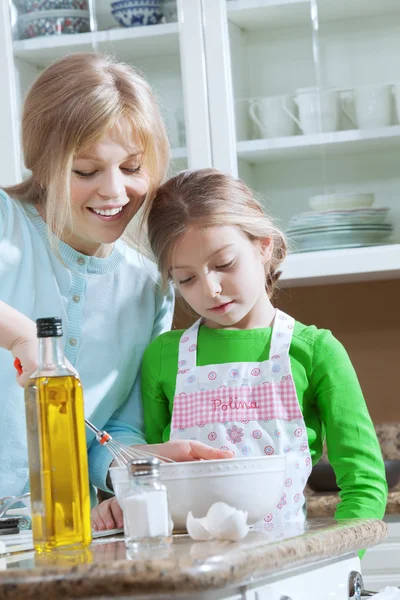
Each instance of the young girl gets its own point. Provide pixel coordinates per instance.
(247, 377)
(97, 149)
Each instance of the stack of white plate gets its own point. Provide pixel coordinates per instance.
(328, 230)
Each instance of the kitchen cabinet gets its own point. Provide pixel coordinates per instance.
(267, 51)
(321, 582)
(381, 565)
(207, 67)
(167, 54)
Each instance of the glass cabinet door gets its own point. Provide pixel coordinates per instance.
(165, 44)
(305, 106)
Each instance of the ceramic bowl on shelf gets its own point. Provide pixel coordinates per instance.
(336, 237)
(340, 201)
(135, 13)
(251, 484)
(355, 216)
(32, 6)
(169, 11)
(53, 22)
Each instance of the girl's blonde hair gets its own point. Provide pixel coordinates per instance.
(72, 105)
(209, 198)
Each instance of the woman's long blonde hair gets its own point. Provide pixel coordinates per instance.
(70, 106)
(208, 198)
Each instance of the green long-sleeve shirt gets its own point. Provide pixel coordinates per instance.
(329, 394)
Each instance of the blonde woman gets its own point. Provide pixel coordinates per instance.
(247, 377)
(97, 150)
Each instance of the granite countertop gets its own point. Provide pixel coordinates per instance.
(103, 570)
(324, 504)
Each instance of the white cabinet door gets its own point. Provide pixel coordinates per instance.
(381, 564)
(330, 581)
(170, 55)
(10, 169)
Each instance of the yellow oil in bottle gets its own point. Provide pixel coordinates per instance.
(57, 462)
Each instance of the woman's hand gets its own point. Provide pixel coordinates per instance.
(25, 349)
(25, 352)
(18, 335)
(107, 515)
(184, 450)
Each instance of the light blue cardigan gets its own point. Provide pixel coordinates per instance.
(111, 309)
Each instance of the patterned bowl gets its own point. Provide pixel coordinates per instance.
(53, 22)
(134, 13)
(169, 11)
(251, 484)
(31, 6)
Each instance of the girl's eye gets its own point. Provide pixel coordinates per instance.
(183, 281)
(84, 173)
(229, 264)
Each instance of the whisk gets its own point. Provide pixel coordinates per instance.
(121, 453)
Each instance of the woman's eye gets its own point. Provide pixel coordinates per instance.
(226, 266)
(84, 173)
(131, 170)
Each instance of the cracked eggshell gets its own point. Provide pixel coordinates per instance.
(234, 527)
(197, 528)
(217, 513)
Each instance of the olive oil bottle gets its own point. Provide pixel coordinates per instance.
(58, 469)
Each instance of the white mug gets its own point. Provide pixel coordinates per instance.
(241, 120)
(373, 108)
(180, 119)
(318, 111)
(274, 118)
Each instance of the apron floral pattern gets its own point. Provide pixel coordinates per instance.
(249, 408)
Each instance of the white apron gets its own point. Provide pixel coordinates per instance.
(249, 408)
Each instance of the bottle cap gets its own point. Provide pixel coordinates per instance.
(144, 466)
(49, 327)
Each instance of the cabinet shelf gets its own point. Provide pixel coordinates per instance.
(341, 266)
(126, 42)
(310, 146)
(275, 14)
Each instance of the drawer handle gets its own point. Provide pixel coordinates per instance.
(356, 587)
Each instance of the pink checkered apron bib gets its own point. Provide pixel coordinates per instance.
(250, 408)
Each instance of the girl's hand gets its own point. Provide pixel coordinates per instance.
(184, 450)
(107, 515)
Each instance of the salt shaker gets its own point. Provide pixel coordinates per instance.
(145, 506)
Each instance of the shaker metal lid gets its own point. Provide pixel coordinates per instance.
(144, 466)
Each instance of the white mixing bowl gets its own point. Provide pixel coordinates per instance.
(251, 484)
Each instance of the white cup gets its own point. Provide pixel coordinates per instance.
(372, 105)
(318, 111)
(241, 120)
(180, 119)
(273, 115)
